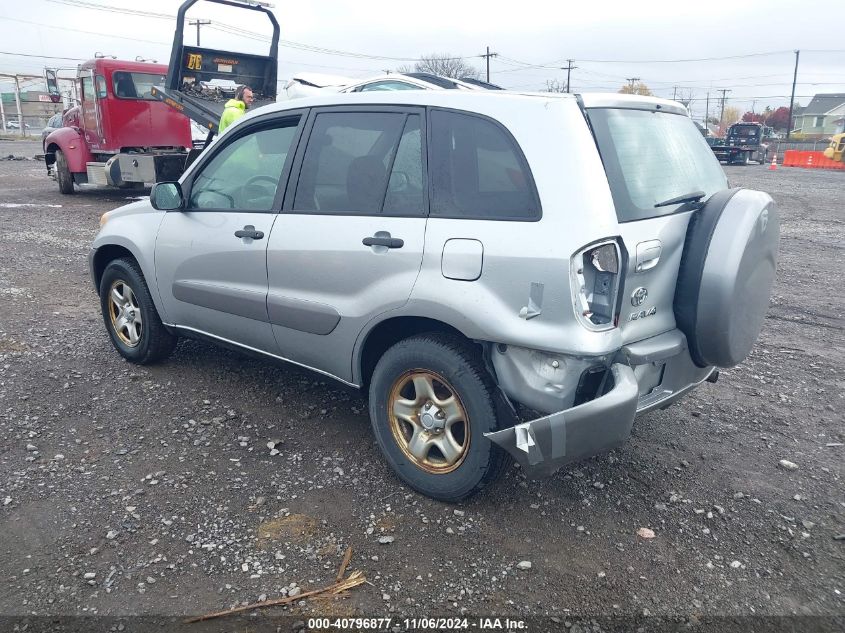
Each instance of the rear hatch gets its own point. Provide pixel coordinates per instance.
(657, 165)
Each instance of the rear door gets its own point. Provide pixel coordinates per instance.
(211, 258)
(349, 243)
(651, 157)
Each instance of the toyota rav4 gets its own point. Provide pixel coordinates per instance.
(452, 254)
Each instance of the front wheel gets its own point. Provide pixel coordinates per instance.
(130, 316)
(431, 402)
(63, 175)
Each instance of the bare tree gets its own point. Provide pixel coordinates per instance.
(555, 85)
(445, 65)
(686, 97)
(404, 68)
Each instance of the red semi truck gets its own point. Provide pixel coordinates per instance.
(131, 126)
(119, 135)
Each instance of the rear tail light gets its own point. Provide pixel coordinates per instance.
(595, 285)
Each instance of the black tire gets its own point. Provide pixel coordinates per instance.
(63, 175)
(461, 366)
(154, 342)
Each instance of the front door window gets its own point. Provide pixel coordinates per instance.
(244, 175)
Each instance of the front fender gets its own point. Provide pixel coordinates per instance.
(72, 143)
(133, 228)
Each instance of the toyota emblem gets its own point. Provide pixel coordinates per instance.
(638, 296)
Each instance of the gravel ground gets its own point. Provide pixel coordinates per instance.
(132, 490)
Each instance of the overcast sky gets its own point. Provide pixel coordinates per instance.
(609, 40)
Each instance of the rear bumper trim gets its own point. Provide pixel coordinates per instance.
(543, 445)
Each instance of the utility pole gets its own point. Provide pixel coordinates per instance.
(2, 112)
(568, 68)
(675, 93)
(707, 113)
(792, 98)
(18, 103)
(631, 81)
(487, 56)
(724, 92)
(198, 24)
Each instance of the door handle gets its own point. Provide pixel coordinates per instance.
(389, 242)
(249, 231)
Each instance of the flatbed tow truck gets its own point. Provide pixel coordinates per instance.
(201, 80)
(129, 130)
(742, 144)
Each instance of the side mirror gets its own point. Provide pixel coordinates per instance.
(166, 196)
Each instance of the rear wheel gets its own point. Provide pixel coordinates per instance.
(130, 316)
(431, 401)
(63, 175)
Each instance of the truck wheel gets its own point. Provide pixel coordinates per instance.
(63, 174)
(130, 315)
(431, 401)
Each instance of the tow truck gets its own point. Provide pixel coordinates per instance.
(118, 135)
(201, 80)
(132, 125)
(743, 143)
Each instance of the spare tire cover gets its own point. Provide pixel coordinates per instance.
(726, 275)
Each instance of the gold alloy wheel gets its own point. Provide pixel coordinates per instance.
(125, 313)
(428, 421)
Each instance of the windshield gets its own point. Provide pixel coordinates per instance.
(651, 157)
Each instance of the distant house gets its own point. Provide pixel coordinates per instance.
(823, 117)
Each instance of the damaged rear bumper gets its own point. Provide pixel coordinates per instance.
(645, 375)
(543, 445)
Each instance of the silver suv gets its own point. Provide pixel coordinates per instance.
(452, 254)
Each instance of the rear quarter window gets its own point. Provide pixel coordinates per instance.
(653, 156)
(478, 171)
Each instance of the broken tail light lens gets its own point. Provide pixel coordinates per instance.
(595, 284)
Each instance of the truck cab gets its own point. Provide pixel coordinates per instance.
(122, 135)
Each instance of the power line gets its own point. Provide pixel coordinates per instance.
(75, 59)
(67, 28)
(233, 30)
(680, 61)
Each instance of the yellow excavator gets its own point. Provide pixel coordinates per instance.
(836, 151)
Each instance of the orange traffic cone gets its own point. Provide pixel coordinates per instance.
(774, 164)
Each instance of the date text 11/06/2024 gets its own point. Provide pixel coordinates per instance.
(417, 624)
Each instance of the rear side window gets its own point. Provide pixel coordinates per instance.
(136, 85)
(362, 163)
(651, 157)
(478, 171)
